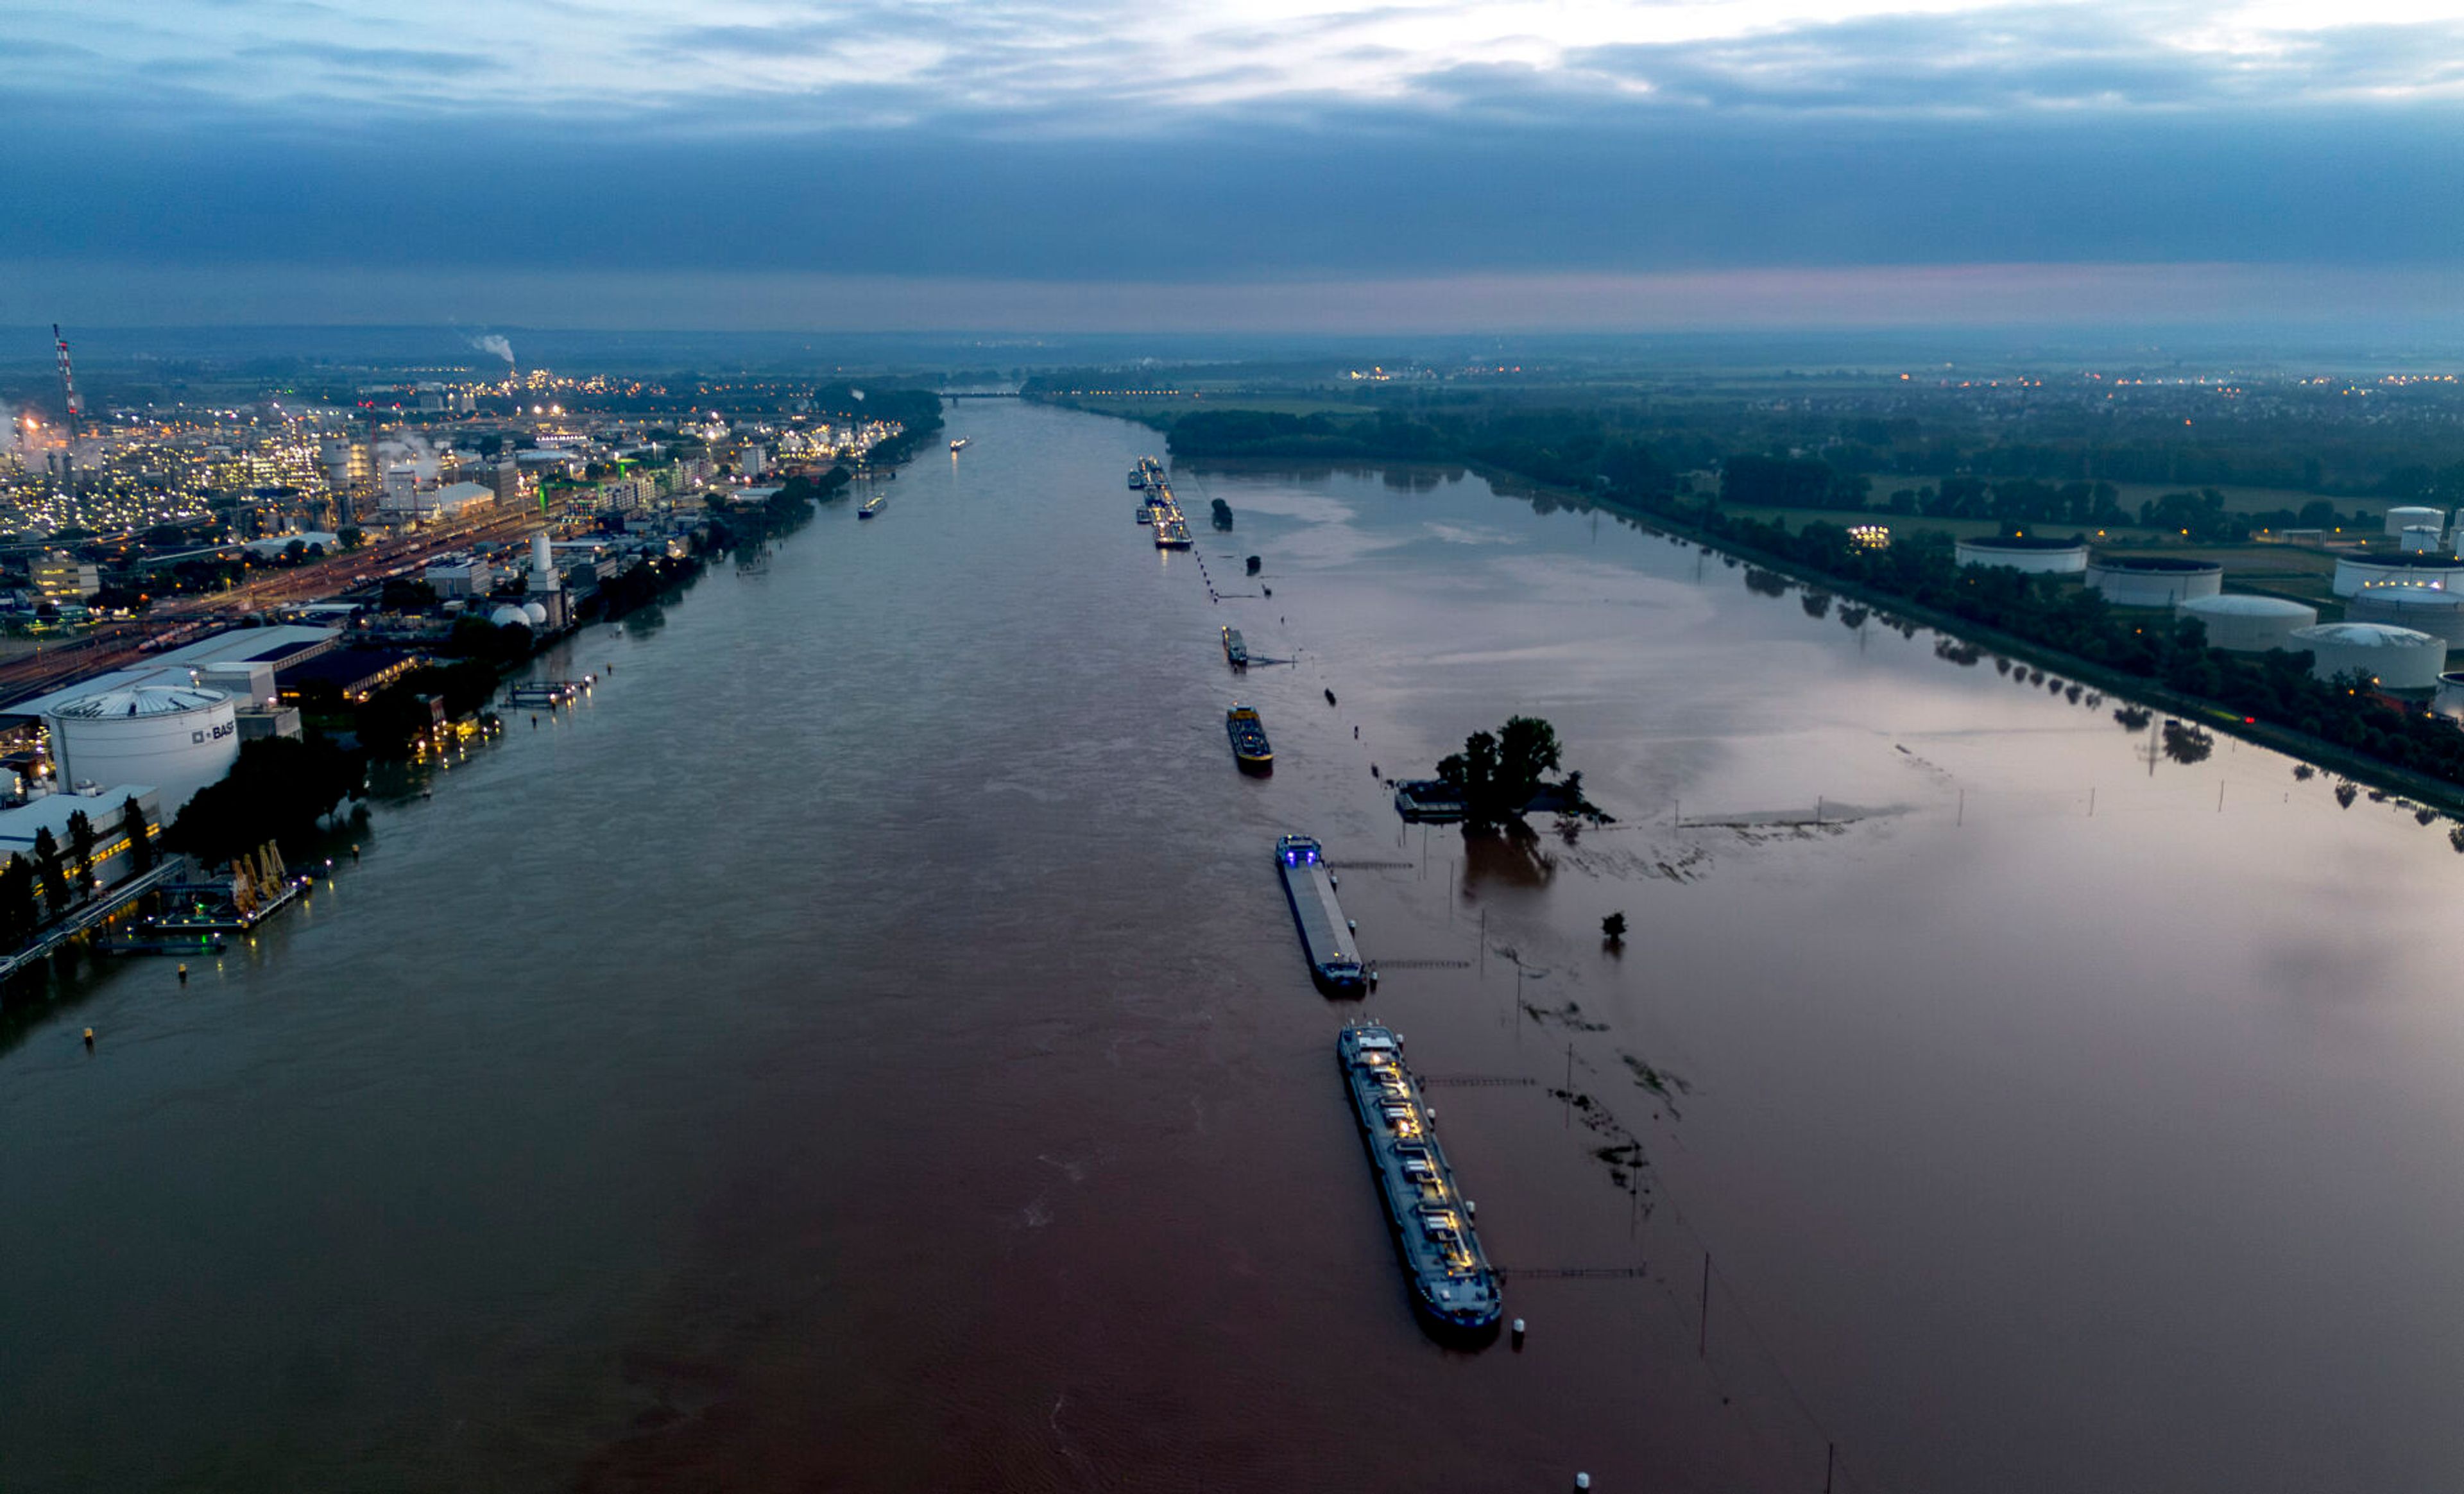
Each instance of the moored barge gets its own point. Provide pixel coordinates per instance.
(1248, 734)
(1325, 937)
(1454, 1288)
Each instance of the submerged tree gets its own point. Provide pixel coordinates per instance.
(2186, 744)
(1613, 927)
(1497, 774)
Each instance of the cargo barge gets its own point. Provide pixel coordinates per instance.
(1325, 937)
(1235, 652)
(1454, 1288)
(1248, 734)
(872, 506)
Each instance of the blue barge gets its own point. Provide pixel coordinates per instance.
(1325, 936)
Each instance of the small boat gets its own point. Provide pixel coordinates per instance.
(1235, 652)
(873, 506)
(1137, 479)
(960, 445)
(1248, 736)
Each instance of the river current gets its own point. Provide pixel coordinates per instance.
(864, 1046)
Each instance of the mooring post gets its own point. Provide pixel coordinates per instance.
(1703, 1333)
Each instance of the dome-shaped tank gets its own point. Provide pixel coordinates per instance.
(2428, 609)
(2395, 658)
(2153, 581)
(537, 612)
(2246, 624)
(176, 738)
(2409, 516)
(510, 616)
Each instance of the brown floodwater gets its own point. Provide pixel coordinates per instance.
(864, 1046)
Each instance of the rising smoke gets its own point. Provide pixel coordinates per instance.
(492, 342)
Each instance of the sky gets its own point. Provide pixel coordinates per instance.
(1241, 165)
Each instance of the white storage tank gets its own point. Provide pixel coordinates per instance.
(2395, 658)
(2425, 609)
(509, 616)
(2419, 539)
(2246, 623)
(2153, 581)
(2038, 557)
(2358, 573)
(2407, 516)
(2449, 702)
(178, 739)
(537, 612)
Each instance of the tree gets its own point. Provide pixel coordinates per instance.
(1526, 749)
(280, 786)
(18, 915)
(1222, 514)
(351, 537)
(1496, 774)
(81, 850)
(1613, 927)
(141, 845)
(47, 868)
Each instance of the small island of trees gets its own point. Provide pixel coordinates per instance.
(1501, 776)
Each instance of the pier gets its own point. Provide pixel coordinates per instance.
(95, 913)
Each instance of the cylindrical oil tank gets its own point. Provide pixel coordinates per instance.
(2358, 573)
(2042, 556)
(2419, 539)
(2394, 658)
(2246, 623)
(2409, 517)
(2449, 702)
(174, 738)
(2150, 581)
(2425, 609)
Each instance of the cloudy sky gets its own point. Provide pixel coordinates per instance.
(1246, 164)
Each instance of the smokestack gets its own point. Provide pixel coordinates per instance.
(544, 564)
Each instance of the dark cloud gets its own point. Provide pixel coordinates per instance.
(1603, 186)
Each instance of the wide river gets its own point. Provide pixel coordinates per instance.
(864, 1046)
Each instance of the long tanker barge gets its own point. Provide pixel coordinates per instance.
(1453, 1285)
(1325, 937)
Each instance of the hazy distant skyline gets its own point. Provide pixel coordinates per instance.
(1749, 162)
